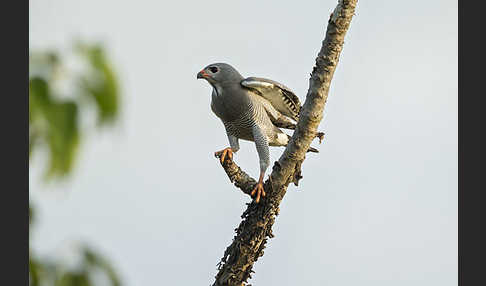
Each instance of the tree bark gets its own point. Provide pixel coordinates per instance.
(256, 227)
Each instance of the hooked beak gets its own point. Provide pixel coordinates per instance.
(202, 74)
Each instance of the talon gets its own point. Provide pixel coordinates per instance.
(226, 151)
(258, 190)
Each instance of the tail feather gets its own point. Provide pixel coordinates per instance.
(312, 149)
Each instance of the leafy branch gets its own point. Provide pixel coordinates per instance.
(54, 125)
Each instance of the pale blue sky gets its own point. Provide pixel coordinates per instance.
(378, 204)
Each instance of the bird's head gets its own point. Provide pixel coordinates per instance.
(219, 73)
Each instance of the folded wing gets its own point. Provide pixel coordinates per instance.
(279, 96)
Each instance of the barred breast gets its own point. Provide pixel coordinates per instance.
(242, 127)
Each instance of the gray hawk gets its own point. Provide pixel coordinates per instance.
(252, 109)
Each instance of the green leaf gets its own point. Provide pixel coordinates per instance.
(34, 272)
(63, 136)
(95, 260)
(74, 279)
(54, 123)
(39, 102)
(39, 97)
(101, 84)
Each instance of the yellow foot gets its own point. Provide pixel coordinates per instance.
(223, 153)
(259, 191)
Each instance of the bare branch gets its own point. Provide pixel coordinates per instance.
(241, 179)
(256, 227)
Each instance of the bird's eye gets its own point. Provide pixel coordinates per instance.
(213, 69)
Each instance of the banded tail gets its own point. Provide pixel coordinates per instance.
(311, 149)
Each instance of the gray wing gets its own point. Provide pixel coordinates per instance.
(276, 117)
(279, 96)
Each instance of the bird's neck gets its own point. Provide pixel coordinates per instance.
(218, 89)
